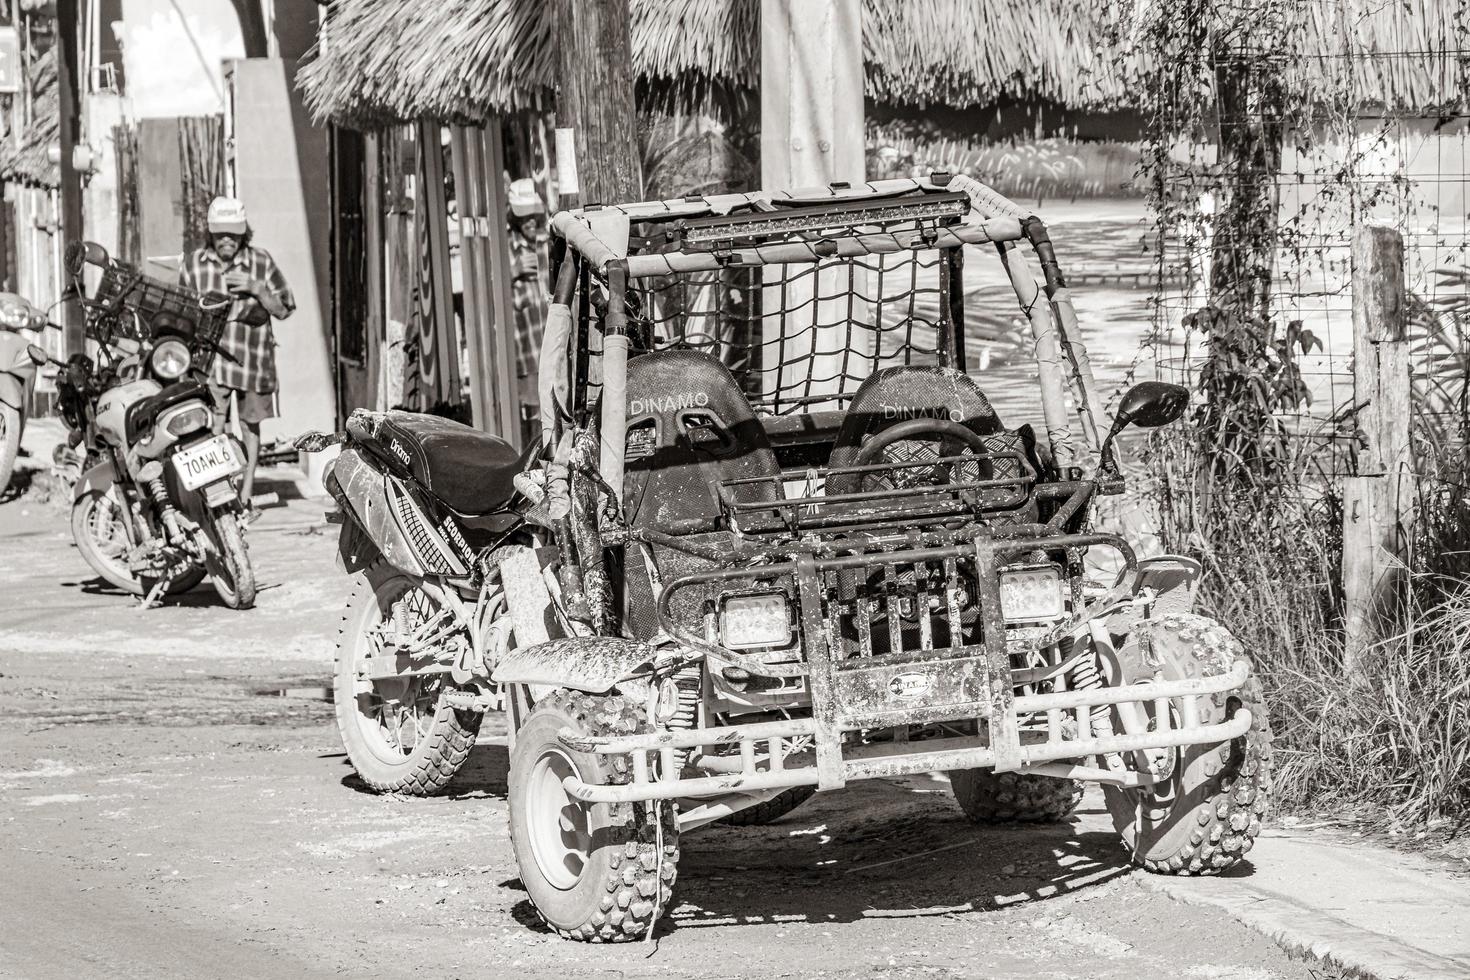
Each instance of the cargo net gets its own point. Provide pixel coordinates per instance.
(801, 336)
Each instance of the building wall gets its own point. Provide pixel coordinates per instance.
(280, 173)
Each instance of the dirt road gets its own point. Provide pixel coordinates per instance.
(161, 817)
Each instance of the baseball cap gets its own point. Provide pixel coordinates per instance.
(523, 198)
(226, 215)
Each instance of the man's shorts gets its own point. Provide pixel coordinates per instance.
(254, 406)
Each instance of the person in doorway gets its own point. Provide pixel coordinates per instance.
(244, 377)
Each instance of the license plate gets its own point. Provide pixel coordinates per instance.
(211, 460)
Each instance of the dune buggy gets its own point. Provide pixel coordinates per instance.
(776, 538)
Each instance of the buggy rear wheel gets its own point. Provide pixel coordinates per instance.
(1205, 814)
(399, 735)
(771, 810)
(597, 872)
(988, 796)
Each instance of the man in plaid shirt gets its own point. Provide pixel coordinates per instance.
(244, 373)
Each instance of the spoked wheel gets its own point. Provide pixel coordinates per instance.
(97, 528)
(597, 872)
(1204, 814)
(398, 735)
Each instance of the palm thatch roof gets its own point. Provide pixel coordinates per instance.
(385, 61)
(25, 155)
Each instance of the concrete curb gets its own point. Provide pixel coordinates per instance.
(1308, 932)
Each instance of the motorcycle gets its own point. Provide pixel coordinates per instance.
(17, 376)
(156, 508)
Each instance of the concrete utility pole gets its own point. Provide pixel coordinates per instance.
(811, 136)
(595, 98)
(811, 93)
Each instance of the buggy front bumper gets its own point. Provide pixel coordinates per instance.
(773, 755)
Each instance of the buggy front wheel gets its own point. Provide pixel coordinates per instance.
(597, 872)
(1204, 815)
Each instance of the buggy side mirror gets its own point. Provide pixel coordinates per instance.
(1148, 404)
(37, 354)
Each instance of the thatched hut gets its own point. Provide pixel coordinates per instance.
(992, 66)
(387, 61)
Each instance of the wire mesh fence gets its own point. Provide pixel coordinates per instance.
(1336, 170)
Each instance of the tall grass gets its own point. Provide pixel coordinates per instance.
(1392, 747)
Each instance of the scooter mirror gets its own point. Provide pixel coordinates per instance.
(37, 354)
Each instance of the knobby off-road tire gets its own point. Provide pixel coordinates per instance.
(599, 872)
(988, 796)
(772, 810)
(234, 576)
(104, 556)
(1205, 817)
(381, 760)
(9, 443)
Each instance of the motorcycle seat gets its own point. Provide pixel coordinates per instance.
(470, 471)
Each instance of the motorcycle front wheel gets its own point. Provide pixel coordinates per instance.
(399, 734)
(229, 566)
(97, 529)
(10, 423)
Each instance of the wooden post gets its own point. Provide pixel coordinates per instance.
(595, 99)
(484, 249)
(1378, 502)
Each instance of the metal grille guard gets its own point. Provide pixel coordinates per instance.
(1038, 751)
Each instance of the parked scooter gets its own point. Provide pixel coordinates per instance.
(156, 508)
(17, 376)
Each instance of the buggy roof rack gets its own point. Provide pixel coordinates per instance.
(802, 225)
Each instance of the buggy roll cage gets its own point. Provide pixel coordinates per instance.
(841, 221)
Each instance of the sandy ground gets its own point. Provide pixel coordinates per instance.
(160, 816)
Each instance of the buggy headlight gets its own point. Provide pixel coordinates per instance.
(170, 359)
(760, 620)
(1031, 594)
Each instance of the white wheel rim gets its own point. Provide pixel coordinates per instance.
(558, 825)
(105, 529)
(394, 716)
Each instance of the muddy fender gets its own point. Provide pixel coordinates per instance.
(590, 664)
(99, 478)
(1173, 579)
